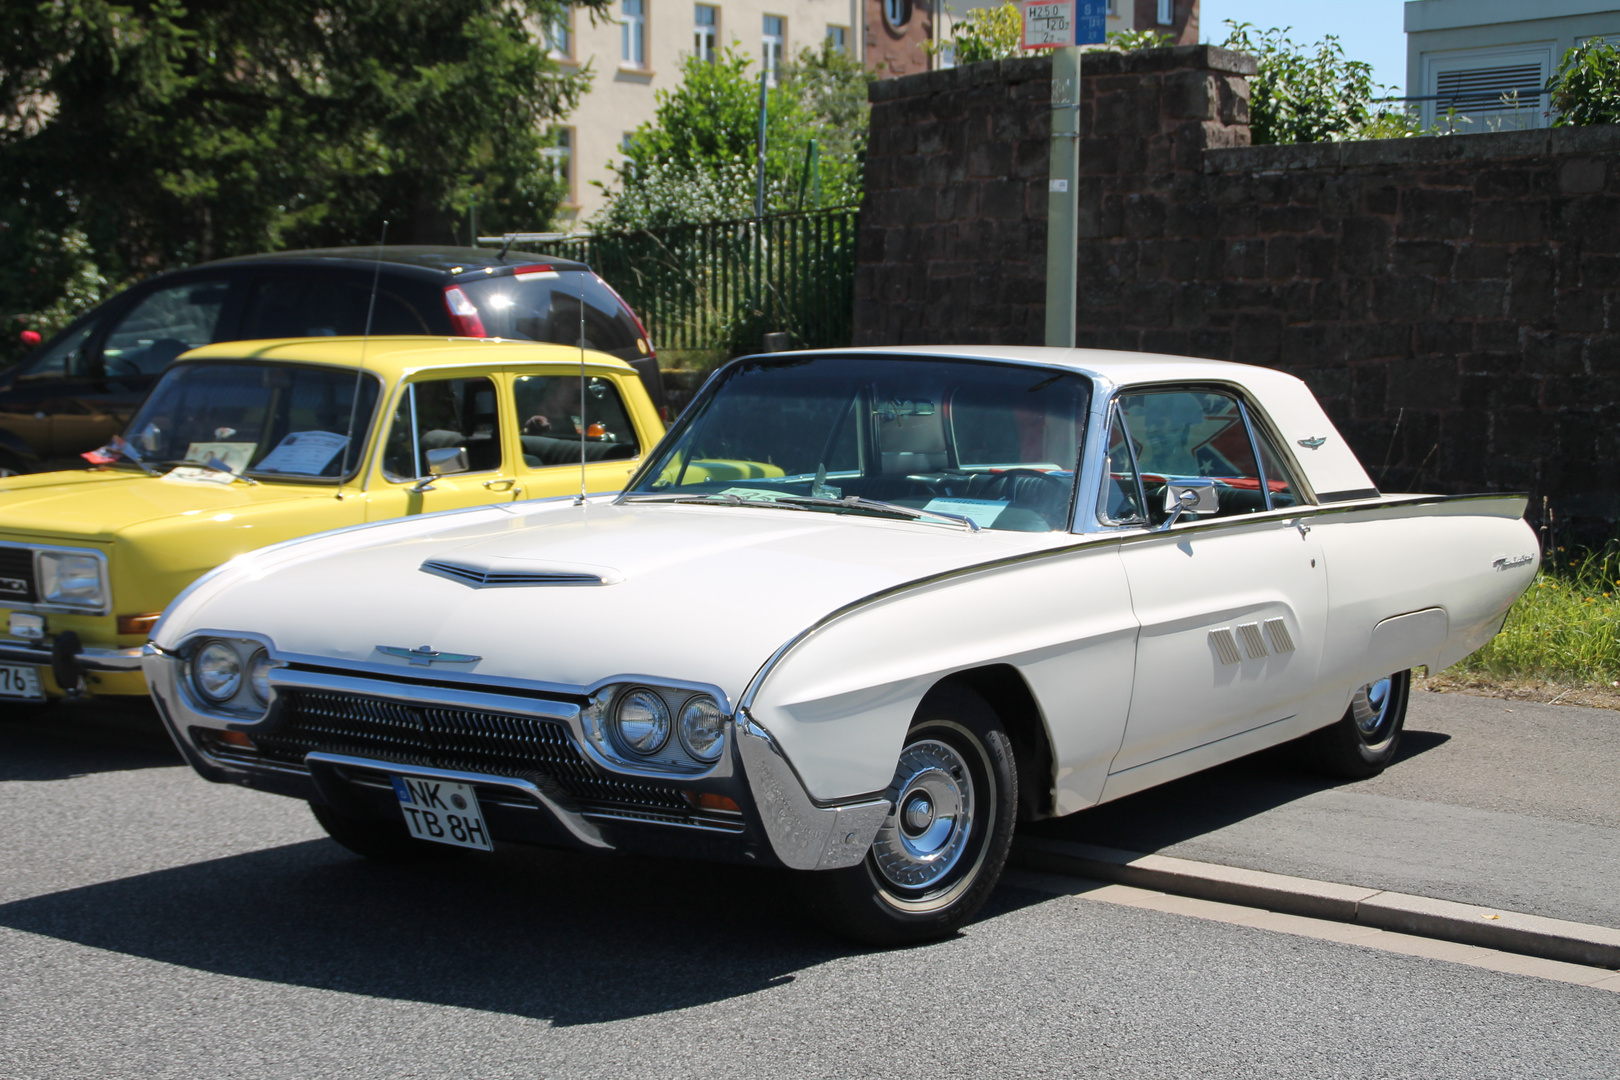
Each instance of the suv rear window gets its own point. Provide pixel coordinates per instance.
(544, 306)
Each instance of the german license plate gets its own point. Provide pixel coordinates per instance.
(442, 811)
(17, 681)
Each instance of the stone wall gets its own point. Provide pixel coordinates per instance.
(1453, 301)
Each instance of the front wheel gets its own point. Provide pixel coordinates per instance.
(939, 853)
(1364, 740)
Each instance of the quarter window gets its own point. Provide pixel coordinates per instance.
(1180, 434)
(438, 414)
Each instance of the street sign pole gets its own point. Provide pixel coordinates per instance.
(1063, 26)
(1063, 199)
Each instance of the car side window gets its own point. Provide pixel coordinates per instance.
(1121, 490)
(437, 414)
(162, 326)
(549, 418)
(279, 307)
(1179, 434)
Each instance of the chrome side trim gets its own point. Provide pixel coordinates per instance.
(583, 831)
(803, 835)
(86, 659)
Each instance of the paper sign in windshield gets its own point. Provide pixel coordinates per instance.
(303, 453)
(982, 512)
(234, 454)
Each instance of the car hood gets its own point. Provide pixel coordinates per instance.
(100, 504)
(700, 594)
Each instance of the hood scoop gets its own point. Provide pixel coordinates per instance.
(494, 572)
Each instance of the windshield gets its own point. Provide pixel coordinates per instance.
(268, 419)
(995, 444)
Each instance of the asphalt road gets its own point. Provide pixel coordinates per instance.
(1497, 803)
(155, 925)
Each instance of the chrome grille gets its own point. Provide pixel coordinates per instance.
(462, 739)
(17, 576)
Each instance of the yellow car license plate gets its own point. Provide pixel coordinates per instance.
(19, 681)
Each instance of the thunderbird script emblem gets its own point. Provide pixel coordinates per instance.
(425, 655)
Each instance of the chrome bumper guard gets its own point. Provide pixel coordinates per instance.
(802, 834)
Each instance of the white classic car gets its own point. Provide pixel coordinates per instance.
(860, 613)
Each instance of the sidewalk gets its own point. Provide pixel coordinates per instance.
(1502, 805)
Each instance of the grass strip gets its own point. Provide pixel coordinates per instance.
(1565, 628)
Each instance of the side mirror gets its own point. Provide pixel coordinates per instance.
(448, 460)
(443, 461)
(1189, 497)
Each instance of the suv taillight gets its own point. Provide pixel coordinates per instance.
(464, 318)
(652, 352)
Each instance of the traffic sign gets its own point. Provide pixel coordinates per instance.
(1052, 24)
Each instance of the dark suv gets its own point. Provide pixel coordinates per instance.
(80, 388)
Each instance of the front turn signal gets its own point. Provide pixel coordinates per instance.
(138, 624)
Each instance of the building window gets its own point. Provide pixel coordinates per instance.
(560, 155)
(627, 141)
(897, 12)
(838, 36)
(633, 33)
(705, 31)
(775, 39)
(559, 35)
(1112, 9)
(1167, 12)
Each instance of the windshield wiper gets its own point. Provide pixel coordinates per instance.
(124, 450)
(722, 498)
(855, 502)
(216, 465)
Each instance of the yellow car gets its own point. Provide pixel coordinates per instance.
(245, 444)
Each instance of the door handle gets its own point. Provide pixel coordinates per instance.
(499, 485)
(1303, 529)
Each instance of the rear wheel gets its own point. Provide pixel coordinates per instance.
(1364, 740)
(939, 854)
(379, 840)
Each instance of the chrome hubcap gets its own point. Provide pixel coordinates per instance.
(1371, 709)
(926, 835)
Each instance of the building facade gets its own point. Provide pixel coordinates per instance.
(1483, 65)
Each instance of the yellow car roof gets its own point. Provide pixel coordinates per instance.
(397, 355)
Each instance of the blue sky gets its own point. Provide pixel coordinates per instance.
(1369, 30)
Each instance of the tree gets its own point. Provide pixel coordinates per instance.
(1586, 87)
(984, 34)
(166, 134)
(1303, 96)
(696, 160)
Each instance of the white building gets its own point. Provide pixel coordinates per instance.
(639, 53)
(1468, 55)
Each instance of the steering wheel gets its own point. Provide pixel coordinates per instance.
(1054, 493)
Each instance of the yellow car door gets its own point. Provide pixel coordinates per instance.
(435, 413)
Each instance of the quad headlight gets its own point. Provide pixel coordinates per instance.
(71, 580)
(641, 719)
(703, 727)
(217, 672)
(231, 673)
(634, 724)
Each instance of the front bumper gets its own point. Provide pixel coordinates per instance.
(585, 802)
(68, 659)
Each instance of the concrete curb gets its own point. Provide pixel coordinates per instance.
(1508, 931)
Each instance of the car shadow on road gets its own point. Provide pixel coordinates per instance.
(563, 937)
(1208, 801)
(80, 739)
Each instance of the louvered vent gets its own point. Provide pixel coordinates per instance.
(1225, 646)
(1253, 643)
(511, 574)
(1281, 640)
(1489, 88)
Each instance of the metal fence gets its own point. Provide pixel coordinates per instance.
(725, 285)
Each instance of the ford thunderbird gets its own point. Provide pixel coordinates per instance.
(858, 615)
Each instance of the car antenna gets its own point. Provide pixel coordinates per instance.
(506, 243)
(583, 428)
(360, 368)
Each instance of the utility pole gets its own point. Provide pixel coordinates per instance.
(1063, 199)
